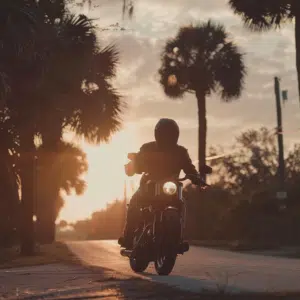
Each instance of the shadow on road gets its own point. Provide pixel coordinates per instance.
(193, 284)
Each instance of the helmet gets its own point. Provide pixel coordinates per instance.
(166, 133)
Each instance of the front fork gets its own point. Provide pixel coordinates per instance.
(183, 220)
(184, 246)
(183, 212)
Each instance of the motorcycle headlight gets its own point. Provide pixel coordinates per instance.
(170, 188)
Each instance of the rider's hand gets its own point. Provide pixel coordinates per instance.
(200, 182)
(129, 169)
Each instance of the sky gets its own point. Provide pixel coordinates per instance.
(267, 55)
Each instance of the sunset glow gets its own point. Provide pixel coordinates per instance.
(137, 80)
(105, 178)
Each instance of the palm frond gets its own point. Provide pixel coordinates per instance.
(104, 63)
(229, 71)
(72, 164)
(99, 115)
(4, 88)
(202, 59)
(262, 15)
(51, 11)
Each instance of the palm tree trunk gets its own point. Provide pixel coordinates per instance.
(51, 185)
(47, 199)
(9, 202)
(202, 129)
(297, 38)
(27, 191)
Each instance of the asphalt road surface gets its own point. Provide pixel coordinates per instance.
(203, 269)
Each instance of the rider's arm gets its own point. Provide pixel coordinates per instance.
(187, 164)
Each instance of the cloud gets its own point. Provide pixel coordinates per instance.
(267, 55)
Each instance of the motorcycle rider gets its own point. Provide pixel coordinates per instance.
(150, 162)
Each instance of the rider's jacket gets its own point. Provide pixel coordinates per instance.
(159, 164)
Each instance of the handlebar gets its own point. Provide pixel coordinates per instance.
(205, 169)
(202, 183)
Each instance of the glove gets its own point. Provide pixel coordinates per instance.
(129, 169)
(197, 180)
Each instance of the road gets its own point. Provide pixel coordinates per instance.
(203, 268)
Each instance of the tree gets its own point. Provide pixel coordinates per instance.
(249, 173)
(251, 169)
(107, 223)
(9, 181)
(70, 164)
(21, 63)
(18, 25)
(252, 164)
(202, 60)
(63, 224)
(56, 83)
(269, 14)
(80, 96)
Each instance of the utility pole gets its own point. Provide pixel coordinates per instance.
(281, 194)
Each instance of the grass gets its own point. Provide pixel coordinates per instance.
(46, 254)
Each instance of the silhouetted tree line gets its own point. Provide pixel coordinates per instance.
(55, 78)
(240, 205)
(104, 224)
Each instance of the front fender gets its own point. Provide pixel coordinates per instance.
(171, 228)
(171, 214)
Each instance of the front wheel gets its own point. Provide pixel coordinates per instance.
(138, 265)
(169, 241)
(165, 264)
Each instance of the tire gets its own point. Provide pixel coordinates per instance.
(164, 264)
(138, 265)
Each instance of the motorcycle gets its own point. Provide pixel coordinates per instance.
(159, 237)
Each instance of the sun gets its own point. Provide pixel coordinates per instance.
(105, 178)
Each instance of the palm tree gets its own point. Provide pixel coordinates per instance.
(265, 15)
(9, 180)
(22, 68)
(69, 166)
(202, 60)
(80, 96)
(18, 25)
(60, 83)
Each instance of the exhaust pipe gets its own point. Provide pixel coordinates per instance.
(126, 253)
